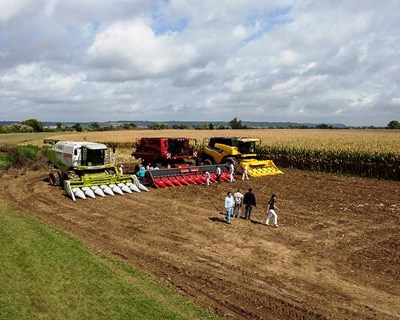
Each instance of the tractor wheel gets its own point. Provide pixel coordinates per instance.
(71, 175)
(233, 161)
(55, 178)
(208, 162)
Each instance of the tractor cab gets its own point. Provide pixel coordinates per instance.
(247, 147)
(92, 155)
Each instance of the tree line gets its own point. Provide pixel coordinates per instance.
(34, 125)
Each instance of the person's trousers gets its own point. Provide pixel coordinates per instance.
(229, 214)
(248, 211)
(238, 209)
(272, 213)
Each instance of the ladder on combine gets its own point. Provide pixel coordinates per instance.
(164, 178)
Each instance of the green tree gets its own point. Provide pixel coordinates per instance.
(210, 126)
(95, 126)
(59, 126)
(235, 123)
(324, 126)
(394, 124)
(77, 127)
(25, 128)
(36, 125)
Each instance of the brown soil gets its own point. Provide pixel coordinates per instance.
(335, 255)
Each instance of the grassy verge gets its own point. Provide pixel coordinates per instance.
(25, 138)
(21, 156)
(46, 274)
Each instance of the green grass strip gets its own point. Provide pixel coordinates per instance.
(47, 274)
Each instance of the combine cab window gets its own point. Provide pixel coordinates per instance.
(93, 157)
(247, 147)
(232, 142)
(177, 147)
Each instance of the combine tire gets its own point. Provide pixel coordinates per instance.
(71, 175)
(55, 178)
(208, 162)
(232, 160)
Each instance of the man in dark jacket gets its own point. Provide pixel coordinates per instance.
(250, 201)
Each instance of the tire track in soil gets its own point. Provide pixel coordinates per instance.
(167, 251)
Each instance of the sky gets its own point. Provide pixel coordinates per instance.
(322, 61)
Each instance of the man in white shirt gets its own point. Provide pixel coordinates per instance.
(231, 173)
(207, 175)
(245, 175)
(218, 173)
(238, 197)
(229, 206)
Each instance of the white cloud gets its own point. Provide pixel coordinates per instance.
(131, 50)
(9, 8)
(395, 101)
(94, 60)
(240, 32)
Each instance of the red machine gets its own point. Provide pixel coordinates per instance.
(172, 162)
(164, 178)
(166, 152)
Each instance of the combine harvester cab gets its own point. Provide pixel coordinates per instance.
(80, 167)
(165, 152)
(240, 152)
(175, 177)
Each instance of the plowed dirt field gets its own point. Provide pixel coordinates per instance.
(335, 255)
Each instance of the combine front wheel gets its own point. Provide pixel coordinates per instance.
(208, 162)
(55, 178)
(233, 161)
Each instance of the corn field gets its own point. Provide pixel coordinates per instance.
(365, 153)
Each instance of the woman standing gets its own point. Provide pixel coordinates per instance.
(271, 211)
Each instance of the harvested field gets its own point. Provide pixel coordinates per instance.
(336, 254)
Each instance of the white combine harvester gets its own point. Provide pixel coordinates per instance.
(80, 167)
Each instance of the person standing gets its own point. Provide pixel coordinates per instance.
(271, 211)
(229, 205)
(250, 201)
(245, 174)
(208, 181)
(218, 173)
(238, 197)
(231, 173)
(142, 173)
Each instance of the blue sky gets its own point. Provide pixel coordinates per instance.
(299, 61)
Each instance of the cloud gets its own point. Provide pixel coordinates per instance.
(9, 8)
(308, 61)
(131, 50)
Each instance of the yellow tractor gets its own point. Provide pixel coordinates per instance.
(240, 152)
